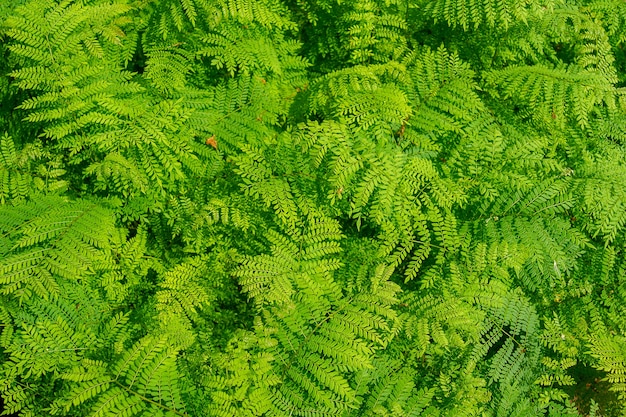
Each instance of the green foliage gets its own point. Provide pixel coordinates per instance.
(468, 14)
(51, 238)
(143, 380)
(312, 208)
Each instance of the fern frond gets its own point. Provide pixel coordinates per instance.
(168, 68)
(85, 102)
(232, 50)
(602, 195)
(53, 338)
(49, 238)
(391, 390)
(469, 14)
(609, 352)
(170, 18)
(548, 90)
(18, 179)
(375, 32)
(237, 110)
(142, 381)
(443, 92)
(385, 186)
(182, 296)
(267, 13)
(244, 375)
(325, 336)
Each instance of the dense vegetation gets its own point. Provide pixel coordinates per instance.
(313, 208)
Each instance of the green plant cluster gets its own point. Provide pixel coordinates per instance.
(313, 208)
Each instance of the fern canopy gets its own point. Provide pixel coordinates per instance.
(319, 208)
